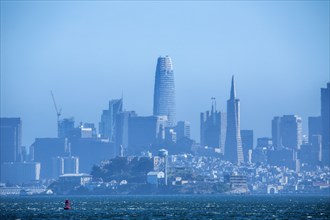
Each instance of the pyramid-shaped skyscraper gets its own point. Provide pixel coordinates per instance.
(233, 145)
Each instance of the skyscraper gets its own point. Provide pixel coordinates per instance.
(287, 132)
(144, 131)
(121, 143)
(291, 131)
(65, 127)
(164, 91)
(213, 128)
(233, 145)
(314, 127)
(325, 115)
(10, 140)
(247, 143)
(325, 124)
(276, 133)
(107, 126)
(182, 130)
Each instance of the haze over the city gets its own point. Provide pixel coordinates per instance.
(90, 52)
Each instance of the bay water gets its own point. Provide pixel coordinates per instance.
(167, 207)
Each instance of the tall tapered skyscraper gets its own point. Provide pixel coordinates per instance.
(164, 93)
(233, 145)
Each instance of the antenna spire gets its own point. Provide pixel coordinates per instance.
(233, 90)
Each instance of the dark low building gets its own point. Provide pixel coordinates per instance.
(90, 151)
(44, 149)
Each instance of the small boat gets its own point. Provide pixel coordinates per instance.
(67, 205)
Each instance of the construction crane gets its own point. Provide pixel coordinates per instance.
(58, 111)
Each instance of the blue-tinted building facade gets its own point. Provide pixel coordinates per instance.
(233, 146)
(164, 91)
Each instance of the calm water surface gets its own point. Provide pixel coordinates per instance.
(167, 207)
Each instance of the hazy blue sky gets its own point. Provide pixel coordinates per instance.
(90, 52)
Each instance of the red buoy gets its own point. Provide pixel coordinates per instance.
(67, 205)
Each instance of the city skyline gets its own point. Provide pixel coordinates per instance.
(279, 56)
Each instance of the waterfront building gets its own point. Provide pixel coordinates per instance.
(77, 179)
(10, 140)
(64, 165)
(19, 172)
(90, 151)
(57, 167)
(233, 145)
(164, 91)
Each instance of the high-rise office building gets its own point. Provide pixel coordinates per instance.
(276, 133)
(182, 130)
(291, 131)
(314, 127)
(264, 143)
(143, 132)
(121, 143)
(104, 124)
(10, 140)
(87, 130)
(247, 142)
(164, 91)
(65, 128)
(170, 135)
(287, 132)
(259, 154)
(325, 115)
(107, 126)
(233, 145)
(213, 128)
